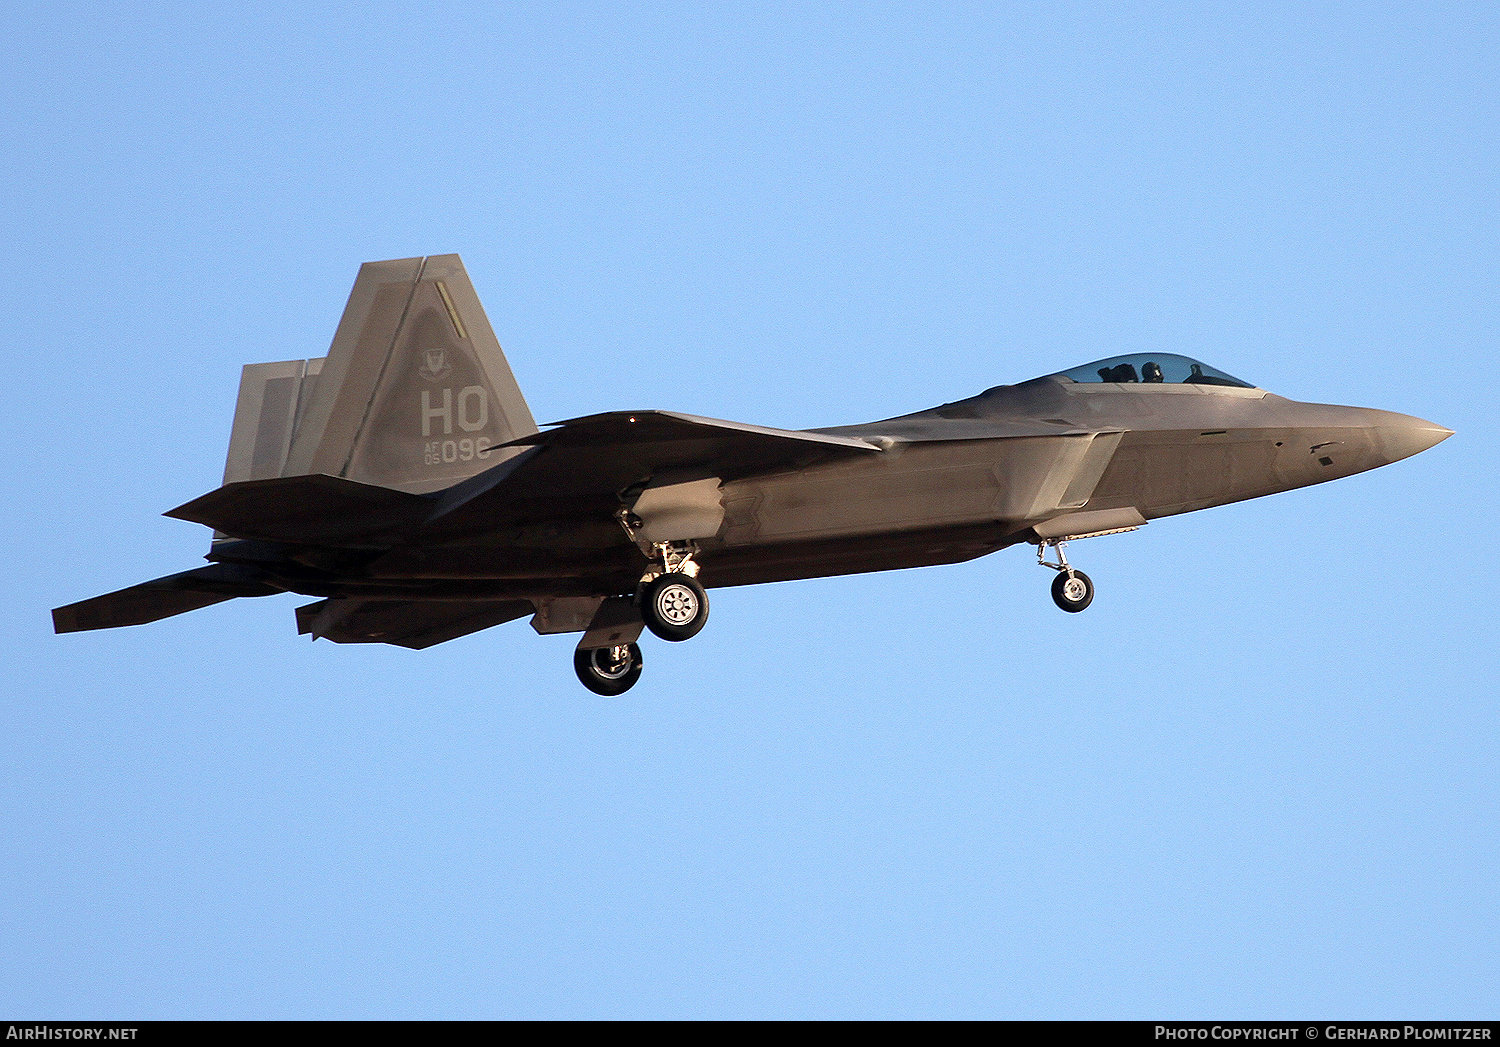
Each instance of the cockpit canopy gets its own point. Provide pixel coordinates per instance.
(1149, 369)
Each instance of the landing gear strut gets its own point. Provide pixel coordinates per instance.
(608, 670)
(673, 604)
(1071, 589)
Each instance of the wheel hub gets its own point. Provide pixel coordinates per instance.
(611, 662)
(676, 604)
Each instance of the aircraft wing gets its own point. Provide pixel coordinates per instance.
(657, 426)
(575, 469)
(591, 459)
(646, 442)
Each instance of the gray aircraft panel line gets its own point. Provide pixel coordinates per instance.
(403, 483)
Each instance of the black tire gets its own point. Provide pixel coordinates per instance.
(1072, 598)
(674, 606)
(602, 673)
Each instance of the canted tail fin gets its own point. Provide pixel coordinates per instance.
(413, 394)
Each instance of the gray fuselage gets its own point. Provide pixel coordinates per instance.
(946, 485)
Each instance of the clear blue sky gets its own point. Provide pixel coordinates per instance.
(1258, 778)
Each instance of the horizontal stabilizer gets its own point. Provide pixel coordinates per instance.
(319, 509)
(161, 598)
(416, 624)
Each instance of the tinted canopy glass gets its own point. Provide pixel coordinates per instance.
(1152, 368)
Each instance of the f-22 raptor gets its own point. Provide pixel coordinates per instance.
(402, 482)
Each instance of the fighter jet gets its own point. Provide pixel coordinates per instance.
(402, 482)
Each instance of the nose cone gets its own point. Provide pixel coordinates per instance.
(1401, 436)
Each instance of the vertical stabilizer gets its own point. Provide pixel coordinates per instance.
(273, 397)
(413, 394)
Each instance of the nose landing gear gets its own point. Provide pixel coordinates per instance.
(1072, 590)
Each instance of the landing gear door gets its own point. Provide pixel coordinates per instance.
(678, 512)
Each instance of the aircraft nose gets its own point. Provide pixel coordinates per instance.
(1401, 436)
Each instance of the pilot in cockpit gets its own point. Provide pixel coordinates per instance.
(1124, 372)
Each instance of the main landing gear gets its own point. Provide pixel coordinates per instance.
(609, 670)
(1071, 589)
(672, 605)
